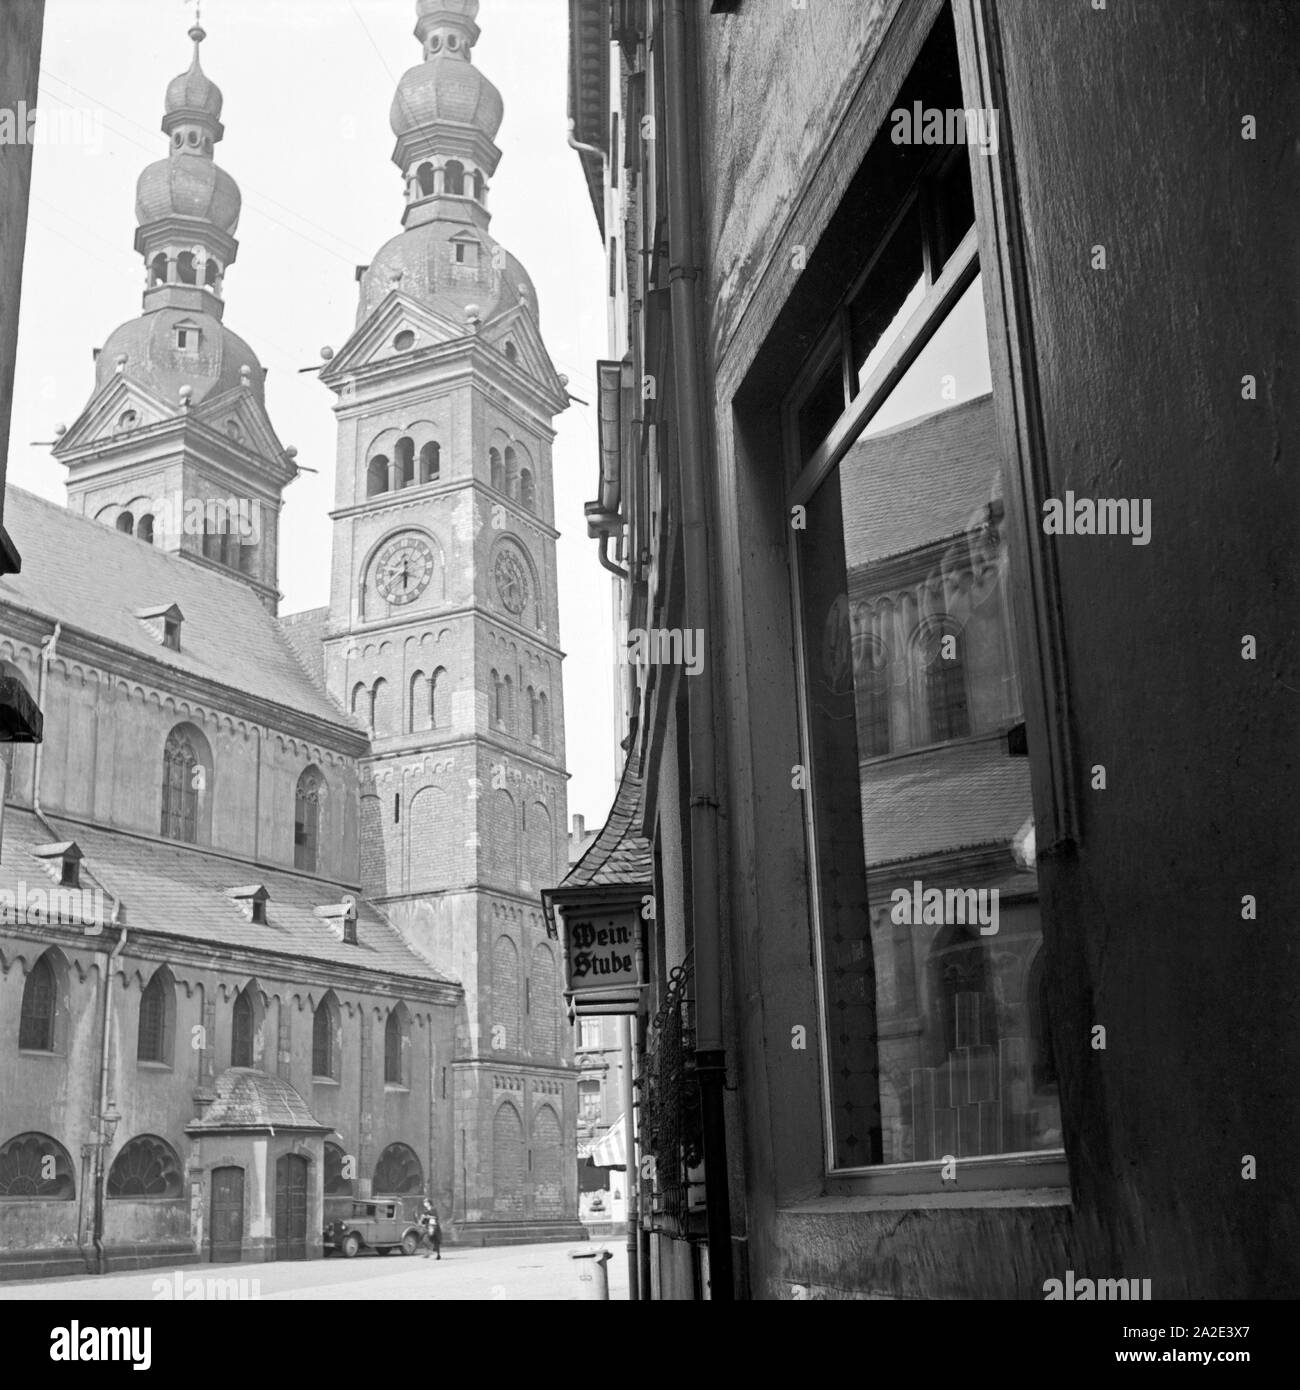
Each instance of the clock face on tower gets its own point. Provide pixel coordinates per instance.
(511, 581)
(403, 569)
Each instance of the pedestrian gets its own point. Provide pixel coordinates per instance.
(432, 1230)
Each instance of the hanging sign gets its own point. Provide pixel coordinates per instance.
(602, 957)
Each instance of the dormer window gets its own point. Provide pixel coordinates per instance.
(252, 899)
(466, 251)
(164, 622)
(188, 336)
(341, 918)
(65, 859)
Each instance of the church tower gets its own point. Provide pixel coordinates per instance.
(443, 633)
(175, 446)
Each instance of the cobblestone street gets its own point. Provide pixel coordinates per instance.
(513, 1273)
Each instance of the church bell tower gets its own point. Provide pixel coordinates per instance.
(443, 636)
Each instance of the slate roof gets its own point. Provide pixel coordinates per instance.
(95, 578)
(619, 856)
(305, 633)
(183, 891)
(956, 796)
(922, 482)
(249, 1099)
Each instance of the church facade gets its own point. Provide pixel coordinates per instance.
(268, 934)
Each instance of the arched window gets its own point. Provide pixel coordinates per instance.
(498, 701)
(424, 177)
(325, 1029)
(34, 1167)
(158, 269)
(508, 703)
(40, 1005)
(146, 1167)
(404, 454)
(210, 272)
(512, 473)
(183, 776)
(185, 271)
(871, 693)
(430, 462)
(398, 1172)
(527, 492)
(381, 717)
(336, 1184)
(532, 712)
(393, 1049)
(479, 185)
(498, 477)
(306, 820)
(439, 699)
(420, 711)
(544, 720)
(945, 684)
(243, 1025)
(144, 530)
(377, 475)
(126, 524)
(453, 177)
(157, 1015)
(360, 700)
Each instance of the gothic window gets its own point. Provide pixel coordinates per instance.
(453, 177)
(184, 775)
(944, 677)
(34, 1167)
(126, 524)
(306, 820)
(424, 176)
(404, 454)
(377, 475)
(157, 1012)
(242, 1025)
(324, 1038)
(144, 529)
(527, 492)
(430, 463)
(40, 1002)
(398, 1172)
(498, 477)
(396, 1045)
(146, 1167)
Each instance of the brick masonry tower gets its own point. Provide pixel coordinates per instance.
(443, 634)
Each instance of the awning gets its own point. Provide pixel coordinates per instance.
(610, 1151)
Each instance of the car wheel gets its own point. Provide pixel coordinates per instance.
(351, 1245)
(410, 1243)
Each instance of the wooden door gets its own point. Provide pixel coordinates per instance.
(291, 1208)
(226, 1228)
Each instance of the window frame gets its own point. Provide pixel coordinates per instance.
(1043, 1174)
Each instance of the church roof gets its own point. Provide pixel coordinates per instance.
(305, 633)
(184, 891)
(94, 578)
(148, 344)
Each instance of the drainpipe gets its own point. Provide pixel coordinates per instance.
(631, 1174)
(680, 100)
(101, 1141)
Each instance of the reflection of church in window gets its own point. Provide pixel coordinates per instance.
(964, 1055)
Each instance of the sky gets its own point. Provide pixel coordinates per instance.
(308, 85)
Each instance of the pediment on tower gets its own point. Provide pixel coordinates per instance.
(399, 327)
(517, 329)
(118, 409)
(240, 417)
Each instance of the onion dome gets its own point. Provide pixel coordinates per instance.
(446, 89)
(212, 361)
(188, 185)
(193, 94)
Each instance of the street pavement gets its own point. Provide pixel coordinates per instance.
(506, 1272)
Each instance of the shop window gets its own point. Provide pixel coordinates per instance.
(925, 901)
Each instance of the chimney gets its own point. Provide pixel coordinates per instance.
(579, 827)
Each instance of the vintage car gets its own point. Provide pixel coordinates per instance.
(381, 1223)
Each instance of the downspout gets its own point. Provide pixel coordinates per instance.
(680, 101)
(606, 562)
(101, 1142)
